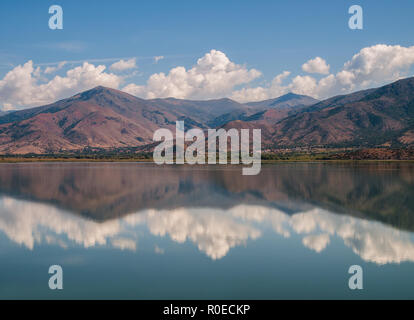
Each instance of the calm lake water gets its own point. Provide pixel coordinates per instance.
(140, 231)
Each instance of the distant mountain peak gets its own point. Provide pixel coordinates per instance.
(102, 89)
(100, 92)
(288, 100)
(291, 95)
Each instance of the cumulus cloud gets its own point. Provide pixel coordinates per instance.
(276, 89)
(21, 87)
(371, 66)
(122, 65)
(379, 63)
(50, 70)
(303, 85)
(213, 76)
(317, 65)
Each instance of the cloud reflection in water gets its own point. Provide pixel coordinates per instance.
(213, 231)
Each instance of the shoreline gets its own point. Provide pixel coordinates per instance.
(138, 160)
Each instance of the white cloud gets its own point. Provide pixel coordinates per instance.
(50, 70)
(21, 87)
(371, 66)
(276, 89)
(317, 65)
(213, 76)
(303, 85)
(380, 63)
(158, 58)
(122, 65)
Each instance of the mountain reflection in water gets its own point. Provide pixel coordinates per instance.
(368, 206)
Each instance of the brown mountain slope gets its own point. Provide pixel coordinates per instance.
(374, 117)
(102, 118)
(287, 101)
(271, 110)
(107, 118)
(99, 117)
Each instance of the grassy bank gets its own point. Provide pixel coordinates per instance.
(266, 158)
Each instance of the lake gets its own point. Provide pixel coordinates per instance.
(142, 231)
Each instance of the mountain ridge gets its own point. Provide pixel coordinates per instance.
(377, 117)
(107, 118)
(111, 119)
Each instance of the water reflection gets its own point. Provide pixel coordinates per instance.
(213, 231)
(368, 207)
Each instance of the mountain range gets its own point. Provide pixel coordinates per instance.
(376, 117)
(110, 119)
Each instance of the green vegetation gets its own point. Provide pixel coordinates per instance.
(295, 156)
(132, 155)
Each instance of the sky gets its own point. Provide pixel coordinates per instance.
(190, 49)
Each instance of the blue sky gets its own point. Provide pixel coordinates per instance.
(267, 36)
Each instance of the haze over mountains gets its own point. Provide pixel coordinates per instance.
(108, 118)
